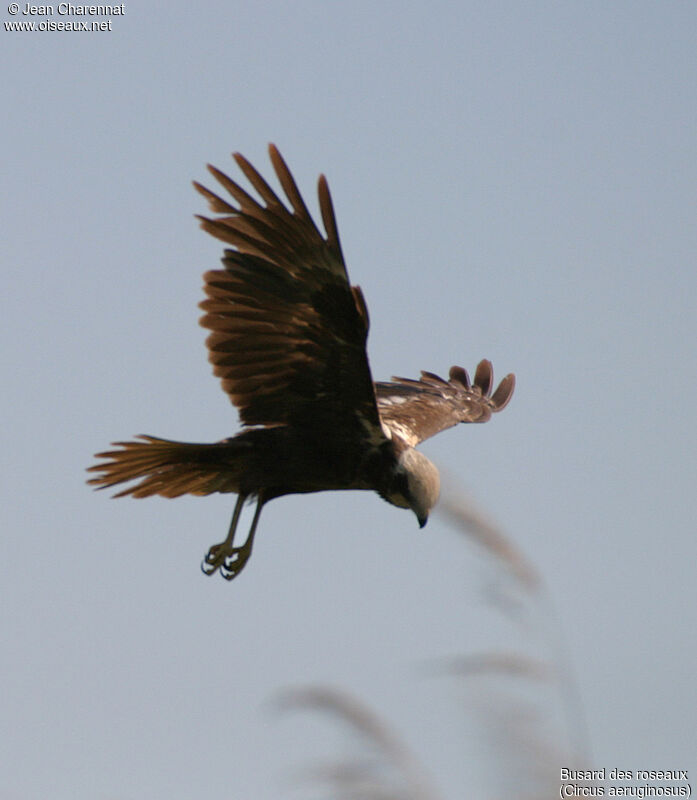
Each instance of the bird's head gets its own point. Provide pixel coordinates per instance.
(417, 484)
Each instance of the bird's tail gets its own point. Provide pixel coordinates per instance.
(170, 469)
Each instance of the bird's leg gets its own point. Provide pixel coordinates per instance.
(240, 555)
(231, 560)
(216, 556)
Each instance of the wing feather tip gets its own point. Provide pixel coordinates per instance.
(432, 378)
(484, 376)
(461, 376)
(504, 392)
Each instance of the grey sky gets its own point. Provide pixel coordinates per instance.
(513, 181)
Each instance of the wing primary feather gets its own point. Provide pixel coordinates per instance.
(326, 207)
(431, 377)
(215, 203)
(246, 201)
(265, 191)
(484, 376)
(461, 376)
(231, 234)
(503, 393)
(361, 305)
(408, 381)
(289, 185)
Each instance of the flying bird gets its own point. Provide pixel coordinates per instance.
(288, 341)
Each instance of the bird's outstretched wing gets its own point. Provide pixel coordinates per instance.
(414, 410)
(288, 331)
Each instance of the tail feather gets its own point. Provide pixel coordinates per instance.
(169, 469)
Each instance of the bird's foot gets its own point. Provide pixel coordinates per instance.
(226, 558)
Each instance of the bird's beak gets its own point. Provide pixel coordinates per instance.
(422, 521)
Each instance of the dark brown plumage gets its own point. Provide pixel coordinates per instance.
(288, 341)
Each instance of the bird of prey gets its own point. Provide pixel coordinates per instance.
(288, 341)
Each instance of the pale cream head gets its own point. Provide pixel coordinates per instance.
(423, 482)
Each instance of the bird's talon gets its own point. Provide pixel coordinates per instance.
(213, 560)
(212, 555)
(229, 560)
(207, 568)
